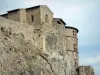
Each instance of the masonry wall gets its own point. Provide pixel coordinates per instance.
(59, 26)
(14, 15)
(5, 16)
(72, 43)
(35, 12)
(56, 46)
(23, 16)
(53, 42)
(45, 11)
(85, 70)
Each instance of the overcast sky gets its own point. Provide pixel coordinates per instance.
(82, 14)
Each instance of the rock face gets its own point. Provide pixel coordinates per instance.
(25, 50)
(20, 53)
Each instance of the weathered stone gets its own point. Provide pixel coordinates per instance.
(85, 70)
(32, 42)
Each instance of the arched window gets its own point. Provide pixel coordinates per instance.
(32, 18)
(46, 18)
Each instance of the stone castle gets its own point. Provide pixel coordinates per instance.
(57, 41)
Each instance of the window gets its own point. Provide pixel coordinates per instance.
(32, 18)
(73, 33)
(75, 64)
(46, 18)
(75, 47)
(2, 29)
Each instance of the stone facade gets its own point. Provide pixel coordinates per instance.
(45, 43)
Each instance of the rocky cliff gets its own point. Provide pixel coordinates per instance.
(21, 54)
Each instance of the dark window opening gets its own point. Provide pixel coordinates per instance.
(58, 22)
(75, 49)
(74, 45)
(32, 18)
(75, 64)
(46, 18)
(73, 34)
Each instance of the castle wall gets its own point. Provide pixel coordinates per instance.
(4, 15)
(59, 26)
(14, 15)
(46, 14)
(54, 36)
(55, 45)
(35, 12)
(23, 15)
(72, 45)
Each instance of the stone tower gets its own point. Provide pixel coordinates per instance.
(72, 43)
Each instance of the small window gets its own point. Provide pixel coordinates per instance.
(32, 18)
(74, 45)
(58, 22)
(75, 64)
(46, 18)
(73, 33)
(75, 49)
